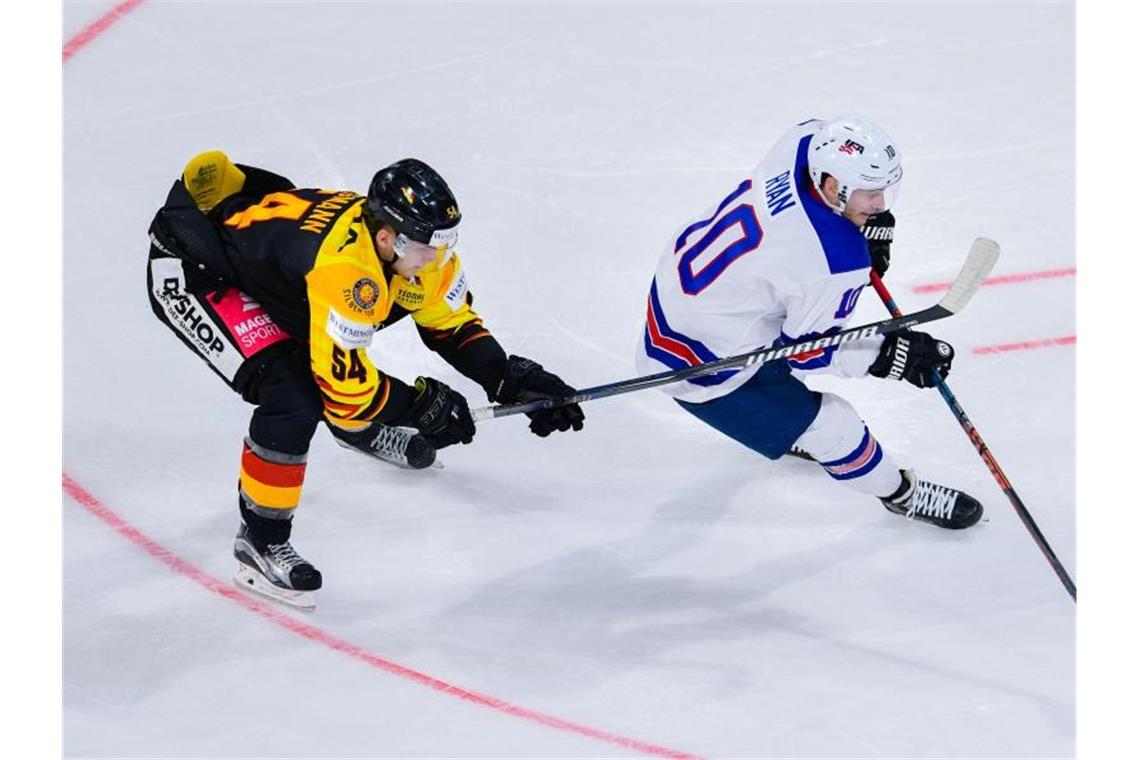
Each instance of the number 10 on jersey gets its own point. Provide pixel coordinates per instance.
(732, 231)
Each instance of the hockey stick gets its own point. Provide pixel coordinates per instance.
(986, 455)
(979, 261)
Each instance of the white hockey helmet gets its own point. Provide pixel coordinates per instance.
(859, 154)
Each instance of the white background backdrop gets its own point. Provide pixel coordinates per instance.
(645, 577)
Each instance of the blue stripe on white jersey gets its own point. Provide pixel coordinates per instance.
(842, 242)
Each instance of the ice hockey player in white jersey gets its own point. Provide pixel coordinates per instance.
(781, 259)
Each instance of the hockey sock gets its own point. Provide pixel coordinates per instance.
(841, 443)
(271, 480)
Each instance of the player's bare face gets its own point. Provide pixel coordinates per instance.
(863, 204)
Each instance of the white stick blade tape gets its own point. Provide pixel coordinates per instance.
(979, 262)
(483, 413)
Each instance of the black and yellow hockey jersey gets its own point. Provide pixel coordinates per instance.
(307, 257)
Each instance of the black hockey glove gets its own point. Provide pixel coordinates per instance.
(525, 380)
(880, 233)
(439, 413)
(911, 356)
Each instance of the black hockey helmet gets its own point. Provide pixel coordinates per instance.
(411, 197)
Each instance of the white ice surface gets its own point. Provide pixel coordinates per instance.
(645, 577)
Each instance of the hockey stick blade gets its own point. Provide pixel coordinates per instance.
(979, 261)
(978, 265)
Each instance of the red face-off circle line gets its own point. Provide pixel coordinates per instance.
(97, 27)
(179, 565)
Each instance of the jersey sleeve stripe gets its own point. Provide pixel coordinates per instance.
(814, 359)
(339, 409)
(475, 336)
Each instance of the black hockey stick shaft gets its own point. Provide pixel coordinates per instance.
(732, 362)
(980, 260)
(987, 456)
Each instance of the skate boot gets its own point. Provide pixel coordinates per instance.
(275, 571)
(932, 503)
(404, 447)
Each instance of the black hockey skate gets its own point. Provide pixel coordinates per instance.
(934, 504)
(404, 447)
(275, 571)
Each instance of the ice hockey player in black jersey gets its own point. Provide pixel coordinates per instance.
(280, 289)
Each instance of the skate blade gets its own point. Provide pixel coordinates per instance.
(249, 579)
(436, 465)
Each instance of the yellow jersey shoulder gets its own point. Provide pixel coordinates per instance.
(347, 274)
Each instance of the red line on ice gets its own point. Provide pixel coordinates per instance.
(1004, 279)
(182, 567)
(1026, 345)
(311, 632)
(98, 26)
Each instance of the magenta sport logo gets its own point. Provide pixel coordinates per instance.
(851, 148)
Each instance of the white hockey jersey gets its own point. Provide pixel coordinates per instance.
(772, 264)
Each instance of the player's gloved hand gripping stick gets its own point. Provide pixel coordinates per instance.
(979, 261)
(985, 454)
